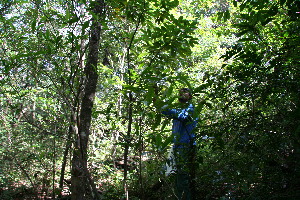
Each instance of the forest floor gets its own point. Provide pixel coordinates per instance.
(19, 191)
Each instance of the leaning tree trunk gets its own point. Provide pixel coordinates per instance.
(82, 185)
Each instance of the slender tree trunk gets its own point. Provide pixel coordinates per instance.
(119, 105)
(54, 164)
(130, 109)
(72, 131)
(81, 182)
(141, 149)
(127, 144)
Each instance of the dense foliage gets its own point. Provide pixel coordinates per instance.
(240, 58)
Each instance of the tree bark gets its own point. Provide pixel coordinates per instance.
(127, 144)
(72, 131)
(82, 185)
(130, 110)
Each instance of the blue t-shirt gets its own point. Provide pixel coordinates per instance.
(183, 126)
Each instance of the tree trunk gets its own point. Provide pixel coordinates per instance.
(82, 185)
(130, 111)
(72, 131)
(127, 144)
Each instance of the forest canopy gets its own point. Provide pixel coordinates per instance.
(82, 84)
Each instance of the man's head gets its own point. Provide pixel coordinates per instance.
(185, 95)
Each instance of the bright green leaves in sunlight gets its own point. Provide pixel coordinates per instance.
(173, 36)
(224, 15)
(255, 96)
(239, 58)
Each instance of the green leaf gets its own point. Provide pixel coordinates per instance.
(245, 39)
(67, 15)
(198, 108)
(234, 3)
(282, 2)
(201, 88)
(167, 142)
(33, 25)
(74, 19)
(85, 25)
(165, 123)
(226, 15)
(208, 104)
(220, 16)
(169, 91)
(149, 94)
(267, 21)
(158, 140)
(239, 34)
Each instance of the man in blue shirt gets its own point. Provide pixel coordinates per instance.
(184, 144)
